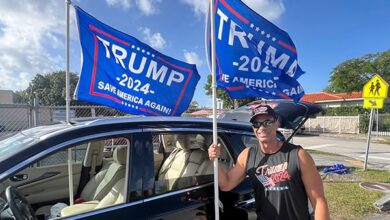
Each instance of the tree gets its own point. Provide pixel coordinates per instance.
(228, 102)
(194, 105)
(351, 75)
(49, 88)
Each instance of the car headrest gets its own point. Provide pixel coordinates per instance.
(204, 141)
(167, 141)
(224, 154)
(182, 141)
(120, 155)
(94, 148)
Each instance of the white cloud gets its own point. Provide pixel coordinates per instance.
(193, 58)
(125, 4)
(29, 31)
(147, 7)
(270, 9)
(200, 7)
(155, 40)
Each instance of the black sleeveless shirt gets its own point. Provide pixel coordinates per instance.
(278, 187)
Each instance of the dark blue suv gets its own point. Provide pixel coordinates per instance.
(124, 168)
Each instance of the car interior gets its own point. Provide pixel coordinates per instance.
(99, 174)
(182, 160)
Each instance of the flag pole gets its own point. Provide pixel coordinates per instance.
(214, 97)
(67, 101)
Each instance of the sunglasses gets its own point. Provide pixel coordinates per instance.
(258, 124)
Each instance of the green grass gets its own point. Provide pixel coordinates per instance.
(383, 142)
(347, 200)
(382, 176)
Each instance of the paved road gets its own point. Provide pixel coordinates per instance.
(353, 149)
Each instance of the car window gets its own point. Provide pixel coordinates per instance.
(98, 177)
(250, 141)
(112, 143)
(181, 160)
(61, 157)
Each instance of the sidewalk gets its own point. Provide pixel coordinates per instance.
(323, 160)
(374, 138)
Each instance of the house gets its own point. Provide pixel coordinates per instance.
(332, 100)
(6, 97)
(202, 113)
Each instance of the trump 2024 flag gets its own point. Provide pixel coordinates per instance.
(254, 57)
(120, 71)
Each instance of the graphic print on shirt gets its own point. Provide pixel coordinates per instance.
(270, 176)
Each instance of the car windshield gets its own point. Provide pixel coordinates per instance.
(25, 138)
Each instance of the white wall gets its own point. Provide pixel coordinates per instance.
(6, 97)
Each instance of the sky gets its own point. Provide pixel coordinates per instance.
(325, 33)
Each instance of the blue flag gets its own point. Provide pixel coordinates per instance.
(122, 72)
(254, 57)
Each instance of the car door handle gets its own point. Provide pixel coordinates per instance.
(19, 177)
(189, 197)
(42, 177)
(194, 196)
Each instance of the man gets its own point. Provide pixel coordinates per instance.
(283, 175)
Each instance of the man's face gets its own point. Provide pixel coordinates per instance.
(264, 127)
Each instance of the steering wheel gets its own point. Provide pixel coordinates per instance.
(19, 205)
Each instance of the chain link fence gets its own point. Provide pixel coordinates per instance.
(53, 114)
(17, 117)
(14, 118)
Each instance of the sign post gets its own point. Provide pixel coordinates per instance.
(374, 94)
(368, 139)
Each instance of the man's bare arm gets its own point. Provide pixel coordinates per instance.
(313, 185)
(230, 179)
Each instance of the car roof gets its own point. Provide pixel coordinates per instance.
(35, 140)
(291, 114)
(43, 132)
(156, 120)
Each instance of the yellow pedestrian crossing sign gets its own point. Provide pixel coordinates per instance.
(376, 87)
(373, 103)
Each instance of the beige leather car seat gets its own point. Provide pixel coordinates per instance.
(173, 166)
(184, 161)
(207, 166)
(94, 155)
(102, 188)
(99, 185)
(199, 156)
(168, 142)
(115, 196)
